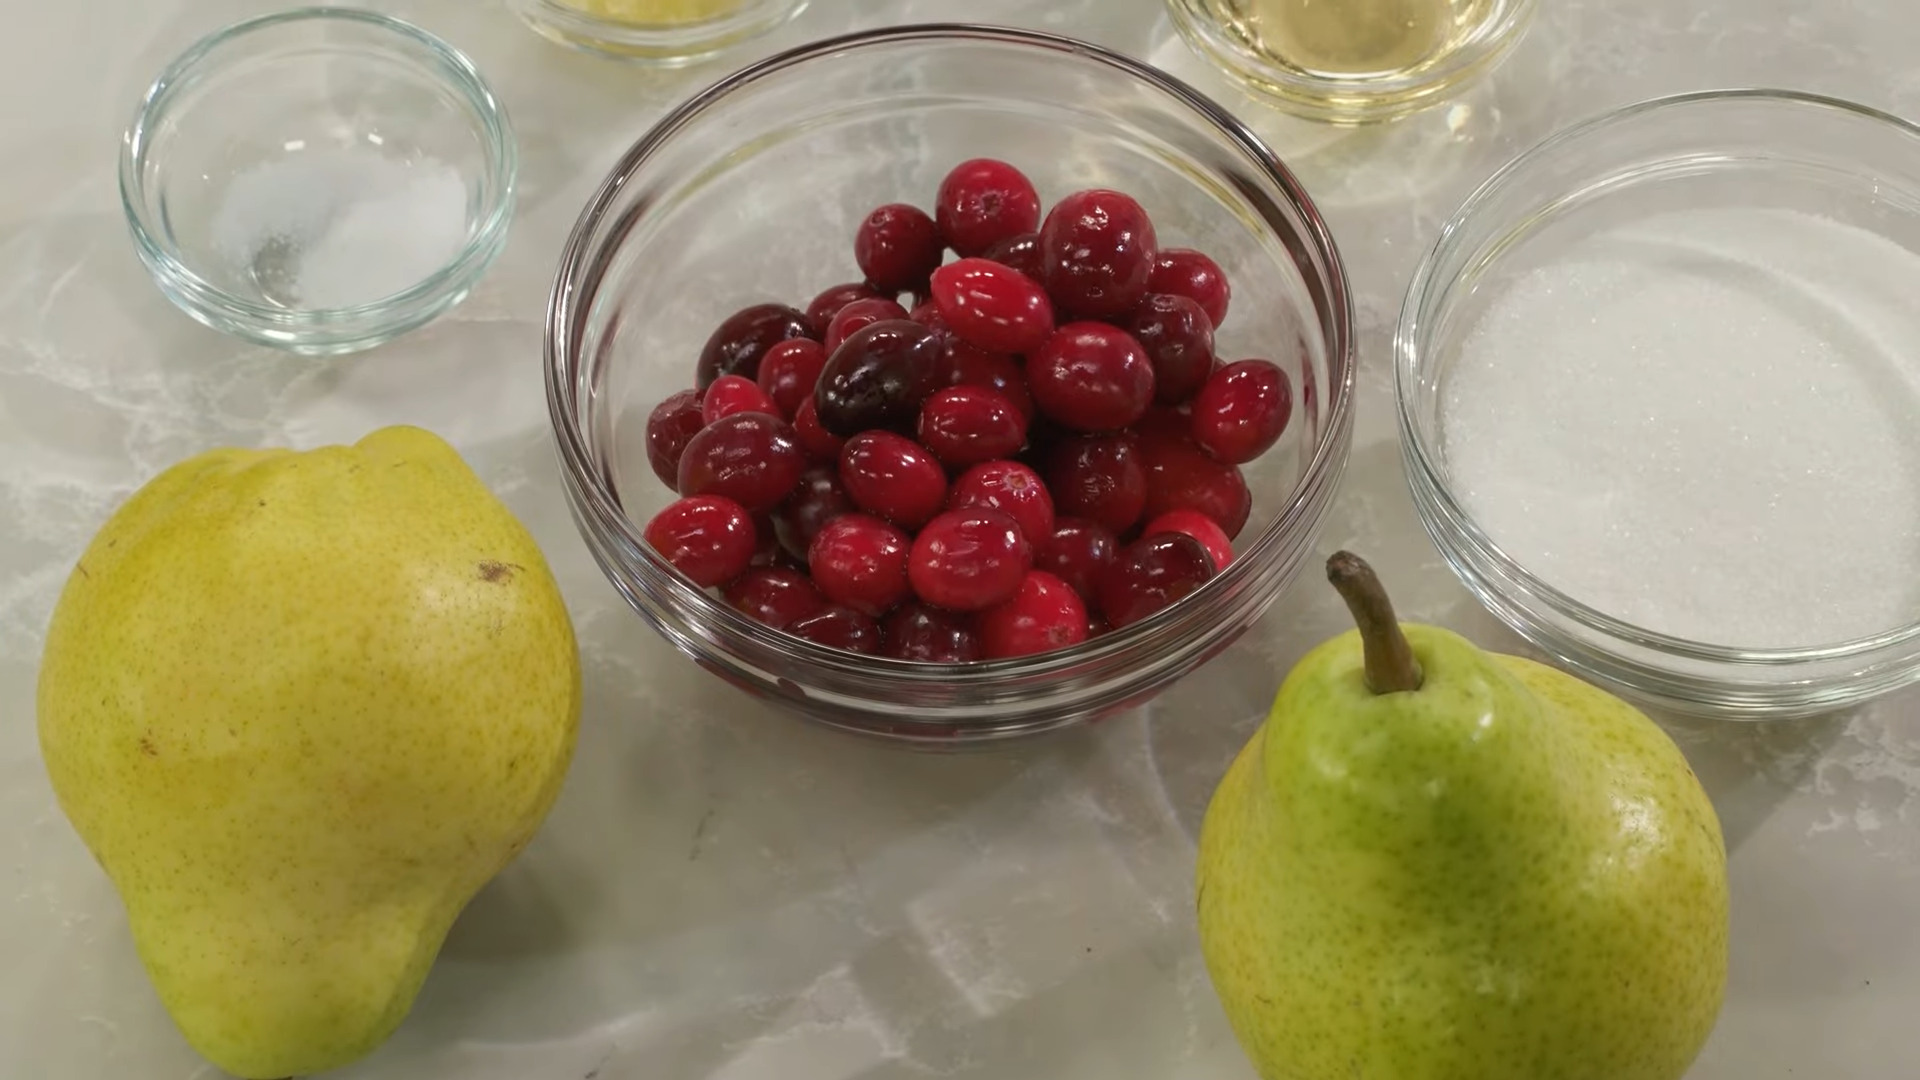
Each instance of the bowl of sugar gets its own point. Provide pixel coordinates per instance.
(321, 180)
(1658, 384)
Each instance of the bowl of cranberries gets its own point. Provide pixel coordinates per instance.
(950, 383)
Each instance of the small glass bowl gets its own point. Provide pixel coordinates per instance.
(665, 33)
(1290, 52)
(1732, 148)
(751, 192)
(320, 180)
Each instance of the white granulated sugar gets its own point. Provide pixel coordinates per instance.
(1706, 424)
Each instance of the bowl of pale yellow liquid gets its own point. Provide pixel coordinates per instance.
(1352, 61)
(666, 32)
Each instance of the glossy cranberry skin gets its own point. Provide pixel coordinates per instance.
(738, 343)
(670, 427)
(1090, 376)
(789, 372)
(1042, 615)
(1098, 477)
(859, 315)
(879, 378)
(1189, 273)
(1242, 411)
(983, 202)
(751, 458)
(819, 443)
(817, 499)
(1199, 526)
(1174, 333)
(965, 365)
(860, 562)
(1096, 253)
(732, 394)
(966, 425)
(708, 538)
(897, 246)
(1021, 253)
(774, 596)
(969, 559)
(927, 314)
(930, 635)
(837, 627)
(1077, 552)
(1180, 476)
(990, 306)
(1150, 574)
(1011, 488)
(893, 477)
(822, 308)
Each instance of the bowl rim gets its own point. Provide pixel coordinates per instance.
(1332, 301)
(1411, 356)
(664, 44)
(447, 66)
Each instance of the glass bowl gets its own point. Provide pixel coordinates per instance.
(751, 191)
(320, 180)
(667, 33)
(1648, 182)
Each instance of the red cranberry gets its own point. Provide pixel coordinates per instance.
(1099, 477)
(1188, 273)
(917, 631)
(789, 371)
(969, 559)
(773, 596)
(1149, 574)
(879, 378)
(1077, 552)
(860, 562)
(830, 302)
(1174, 333)
(767, 550)
(839, 628)
(731, 394)
(965, 425)
(1180, 476)
(897, 246)
(1097, 249)
(1011, 488)
(1242, 411)
(1199, 526)
(1045, 614)
(670, 427)
(927, 314)
(967, 366)
(982, 202)
(859, 315)
(739, 342)
(817, 499)
(819, 443)
(988, 305)
(1096, 625)
(1090, 376)
(751, 458)
(893, 477)
(1020, 253)
(708, 538)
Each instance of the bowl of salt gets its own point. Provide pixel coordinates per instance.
(1658, 385)
(321, 180)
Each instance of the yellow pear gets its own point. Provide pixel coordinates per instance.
(301, 706)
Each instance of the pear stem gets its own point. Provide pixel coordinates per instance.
(1391, 667)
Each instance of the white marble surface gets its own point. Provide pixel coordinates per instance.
(723, 893)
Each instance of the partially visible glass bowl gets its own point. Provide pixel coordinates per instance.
(665, 33)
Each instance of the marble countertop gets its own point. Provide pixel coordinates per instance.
(725, 894)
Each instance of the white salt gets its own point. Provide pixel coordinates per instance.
(331, 229)
(1706, 424)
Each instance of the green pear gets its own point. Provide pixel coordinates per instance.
(301, 706)
(1432, 862)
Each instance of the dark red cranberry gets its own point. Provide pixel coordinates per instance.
(1077, 552)
(859, 315)
(767, 550)
(1091, 376)
(897, 246)
(817, 499)
(969, 559)
(1242, 411)
(1020, 253)
(819, 443)
(965, 365)
(893, 477)
(839, 628)
(1188, 273)
(1099, 477)
(860, 562)
(1199, 526)
(1011, 488)
(917, 631)
(823, 308)
(1096, 249)
(777, 597)
(731, 394)
(789, 371)
(1096, 625)
(983, 202)
(990, 306)
(1044, 614)
(751, 458)
(1149, 574)
(738, 344)
(927, 314)
(879, 378)
(708, 538)
(1178, 339)
(965, 425)
(670, 427)
(1180, 476)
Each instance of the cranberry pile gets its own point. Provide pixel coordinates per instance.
(1042, 447)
